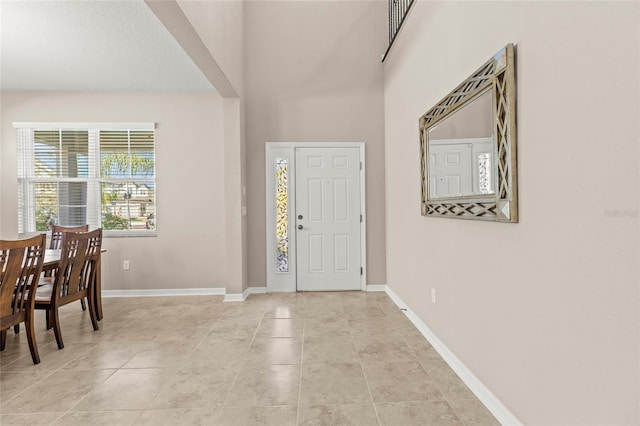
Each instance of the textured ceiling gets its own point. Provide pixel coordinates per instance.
(116, 45)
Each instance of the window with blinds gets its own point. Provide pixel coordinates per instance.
(75, 174)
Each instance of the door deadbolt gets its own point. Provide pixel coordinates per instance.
(299, 216)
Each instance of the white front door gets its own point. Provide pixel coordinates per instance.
(328, 218)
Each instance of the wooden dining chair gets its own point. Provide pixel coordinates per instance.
(54, 243)
(57, 231)
(56, 240)
(20, 268)
(74, 280)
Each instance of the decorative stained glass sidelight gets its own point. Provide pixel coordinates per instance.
(484, 173)
(282, 216)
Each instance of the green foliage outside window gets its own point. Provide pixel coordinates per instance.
(118, 163)
(45, 217)
(111, 221)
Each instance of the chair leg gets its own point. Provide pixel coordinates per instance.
(84, 306)
(31, 338)
(92, 313)
(97, 292)
(3, 339)
(55, 319)
(48, 319)
(16, 328)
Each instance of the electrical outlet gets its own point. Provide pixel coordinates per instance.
(433, 296)
(125, 265)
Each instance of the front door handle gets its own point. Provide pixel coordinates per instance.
(300, 226)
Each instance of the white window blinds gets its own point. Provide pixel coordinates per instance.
(72, 175)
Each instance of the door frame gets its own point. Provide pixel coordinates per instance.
(287, 281)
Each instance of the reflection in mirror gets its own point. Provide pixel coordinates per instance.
(461, 153)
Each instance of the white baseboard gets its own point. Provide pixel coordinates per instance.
(164, 292)
(186, 292)
(236, 297)
(493, 404)
(241, 297)
(376, 287)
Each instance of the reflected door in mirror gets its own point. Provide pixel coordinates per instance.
(460, 167)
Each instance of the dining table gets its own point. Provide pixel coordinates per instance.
(52, 262)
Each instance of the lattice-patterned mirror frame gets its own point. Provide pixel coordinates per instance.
(498, 76)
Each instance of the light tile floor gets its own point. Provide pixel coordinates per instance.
(275, 359)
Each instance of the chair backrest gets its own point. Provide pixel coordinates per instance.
(20, 267)
(57, 231)
(78, 262)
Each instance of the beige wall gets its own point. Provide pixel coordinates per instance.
(189, 251)
(220, 25)
(543, 312)
(313, 74)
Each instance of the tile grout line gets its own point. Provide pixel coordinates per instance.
(54, 344)
(86, 395)
(174, 375)
(422, 364)
(241, 365)
(375, 408)
(139, 411)
(182, 365)
(304, 325)
(61, 368)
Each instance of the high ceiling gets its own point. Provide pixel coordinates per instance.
(84, 45)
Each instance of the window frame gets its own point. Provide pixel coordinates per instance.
(94, 207)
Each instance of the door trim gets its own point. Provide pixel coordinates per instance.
(286, 281)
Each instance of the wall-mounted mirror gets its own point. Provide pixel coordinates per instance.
(468, 147)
